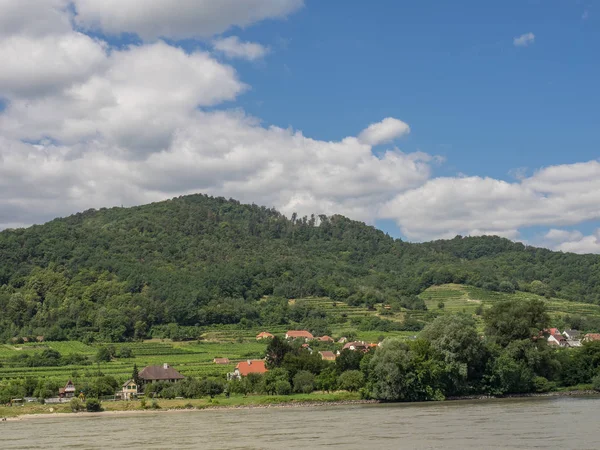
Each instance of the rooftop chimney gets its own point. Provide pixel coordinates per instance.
(249, 362)
(165, 366)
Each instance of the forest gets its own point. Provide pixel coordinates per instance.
(166, 269)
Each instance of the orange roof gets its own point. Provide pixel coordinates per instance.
(327, 355)
(251, 366)
(592, 337)
(326, 339)
(299, 334)
(264, 334)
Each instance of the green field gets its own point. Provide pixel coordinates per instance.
(467, 299)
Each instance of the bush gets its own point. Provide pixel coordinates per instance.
(155, 405)
(76, 405)
(93, 405)
(596, 383)
(143, 403)
(283, 387)
(541, 384)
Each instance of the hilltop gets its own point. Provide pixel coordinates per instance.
(167, 268)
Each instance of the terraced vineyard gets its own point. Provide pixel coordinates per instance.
(460, 298)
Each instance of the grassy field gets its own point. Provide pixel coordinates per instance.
(164, 404)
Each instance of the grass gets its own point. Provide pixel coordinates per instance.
(203, 403)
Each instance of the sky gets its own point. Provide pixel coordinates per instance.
(425, 119)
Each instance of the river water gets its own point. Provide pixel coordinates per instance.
(547, 423)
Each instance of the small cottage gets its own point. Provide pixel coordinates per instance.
(264, 335)
(245, 368)
(354, 346)
(129, 390)
(327, 355)
(299, 334)
(68, 391)
(221, 360)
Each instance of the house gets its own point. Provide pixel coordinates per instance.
(551, 331)
(362, 346)
(342, 340)
(245, 368)
(590, 337)
(221, 360)
(307, 347)
(573, 343)
(264, 335)
(68, 391)
(326, 339)
(152, 374)
(327, 355)
(572, 334)
(299, 334)
(129, 390)
(557, 339)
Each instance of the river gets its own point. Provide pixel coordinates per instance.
(546, 423)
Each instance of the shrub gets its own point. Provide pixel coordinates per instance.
(541, 384)
(155, 405)
(596, 383)
(76, 405)
(93, 405)
(283, 387)
(143, 403)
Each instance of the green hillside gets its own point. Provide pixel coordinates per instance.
(178, 268)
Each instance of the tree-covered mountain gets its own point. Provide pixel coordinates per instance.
(198, 260)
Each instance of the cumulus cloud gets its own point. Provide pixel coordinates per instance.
(572, 241)
(443, 207)
(524, 40)
(385, 131)
(232, 47)
(184, 19)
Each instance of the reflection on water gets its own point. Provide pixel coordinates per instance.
(567, 423)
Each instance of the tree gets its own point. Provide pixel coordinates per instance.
(402, 371)
(211, 387)
(135, 376)
(351, 380)
(104, 354)
(271, 378)
(276, 351)
(348, 360)
(283, 387)
(304, 382)
(514, 320)
(326, 380)
(457, 343)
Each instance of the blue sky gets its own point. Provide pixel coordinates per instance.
(480, 117)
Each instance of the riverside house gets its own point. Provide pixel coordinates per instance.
(129, 390)
(153, 374)
(245, 368)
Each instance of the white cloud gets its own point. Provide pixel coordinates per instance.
(179, 20)
(385, 131)
(572, 241)
(33, 17)
(443, 207)
(524, 40)
(232, 47)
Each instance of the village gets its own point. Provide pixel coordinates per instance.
(135, 388)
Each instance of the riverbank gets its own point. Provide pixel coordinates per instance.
(38, 411)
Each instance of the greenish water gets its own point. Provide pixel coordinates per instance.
(559, 423)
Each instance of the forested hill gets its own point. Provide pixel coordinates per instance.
(198, 260)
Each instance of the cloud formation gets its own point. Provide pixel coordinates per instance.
(183, 19)
(383, 132)
(232, 48)
(524, 40)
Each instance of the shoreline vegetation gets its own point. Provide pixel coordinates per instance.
(128, 408)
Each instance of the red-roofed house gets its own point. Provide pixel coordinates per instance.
(327, 355)
(552, 331)
(326, 339)
(245, 368)
(68, 391)
(356, 346)
(264, 335)
(299, 334)
(591, 337)
(557, 339)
